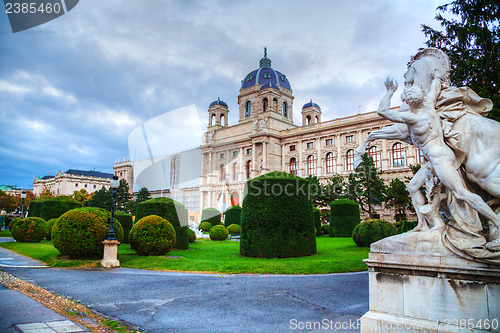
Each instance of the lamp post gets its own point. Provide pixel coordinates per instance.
(111, 243)
(23, 196)
(114, 185)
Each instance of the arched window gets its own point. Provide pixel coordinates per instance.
(248, 169)
(349, 160)
(329, 163)
(235, 171)
(311, 165)
(285, 110)
(264, 105)
(308, 120)
(398, 155)
(222, 120)
(317, 120)
(293, 166)
(374, 154)
(248, 109)
(421, 158)
(212, 120)
(222, 173)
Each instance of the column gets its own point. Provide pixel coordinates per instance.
(253, 171)
(385, 156)
(300, 166)
(339, 162)
(264, 156)
(209, 169)
(241, 166)
(283, 162)
(319, 163)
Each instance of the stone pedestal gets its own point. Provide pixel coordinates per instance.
(110, 254)
(417, 285)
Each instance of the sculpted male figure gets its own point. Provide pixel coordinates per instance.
(425, 129)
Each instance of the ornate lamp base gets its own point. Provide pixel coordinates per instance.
(110, 254)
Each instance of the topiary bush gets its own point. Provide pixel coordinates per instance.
(13, 221)
(35, 208)
(48, 228)
(152, 235)
(191, 235)
(211, 215)
(276, 220)
(370, 231)
(29, 230)
(205, 226)
(218, 233)
(126, 221)
(344, 216)
(317, 221)
(407, 226)
(234, 229)
(171, 210)
(55, 207)
(79, 233)
(233, 216)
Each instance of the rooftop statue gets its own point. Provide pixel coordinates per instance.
(462, 147)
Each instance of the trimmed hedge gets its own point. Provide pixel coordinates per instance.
(48, 228)
(55, 207)
(276, 220)
(126, 221)
(79, 233)
(233, 216)
(211, 215)
(344, 216)
(152, 235)
(35, 208)
(218, 233)
(205, 226)
(168, 208)
(234, 229)
(29, 230)
(317, 221)
(191, 235)
(407, 226)
(370, 231)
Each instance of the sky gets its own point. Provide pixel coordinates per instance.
(73, 89)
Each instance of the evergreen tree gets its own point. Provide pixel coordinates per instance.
(101, 198)
(143, 195)
(123, 197)
(397, 196)
(472, 41)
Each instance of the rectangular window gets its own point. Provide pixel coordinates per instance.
(310, 145)
(349, 138)
(221, 156)
(329, 142)
(249, 151)
(76, 185)
(85, 185)
(235, 153)
(95, 186)
(292, 148)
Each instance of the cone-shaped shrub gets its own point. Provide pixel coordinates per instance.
(55, 207)
(344, 216)
(29, 230)
(317, 221)
(218, 233)
(211, 215)
(276, 221)
(232, 216)
(370, 231)
(171, 210)
(79, 232)
(152, 235)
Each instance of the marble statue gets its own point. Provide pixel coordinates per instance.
(462, 147)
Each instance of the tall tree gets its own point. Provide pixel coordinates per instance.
(81, 196)
(8, 203)
(143, 195)
(471, 38)
(123, 197)
(100, 198)
(398, 197)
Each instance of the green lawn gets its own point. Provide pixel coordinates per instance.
(5, 233)
(334, 255)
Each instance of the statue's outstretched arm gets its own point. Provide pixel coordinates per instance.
(384, 108)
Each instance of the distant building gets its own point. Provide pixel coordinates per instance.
(13, 190)
(65, 183)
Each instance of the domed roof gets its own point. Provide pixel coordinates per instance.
(218, 101)
(264, 75)
(269, 85)
(308, 105)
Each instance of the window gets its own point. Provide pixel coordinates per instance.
(329, 142)
(264, 105)
(349, 138)
(292, 148)
(285, 110)
(308, 120)
(85, 185)
(248, 169)
(95, 186)
(329, 163)
(222, 173)
(76, 184)
(235, 171)
(310, 145)
(293, 166)
(349, 160)
(248, 109)
(221, 156)
(421, 157)
(235, 153)
(398, 155)
(374, 154)
(311, 165)
(249, 151)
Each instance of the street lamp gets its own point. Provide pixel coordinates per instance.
(23, 196)
(115, 183)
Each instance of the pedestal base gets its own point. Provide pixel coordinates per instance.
(429, 290)
(110, 254)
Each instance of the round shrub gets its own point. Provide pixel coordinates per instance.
(370, 231)
(205, 226)
(218, 233)
(211, 215)
(407, 226)
(191, 235)
(79, 233)
(29, 230)
(344, 216)
(276, 221)
(126, 221)
(152, 235)
(171, 210)
(317, 221)
(55, 207)
(13, 222)
(233, 216)
(234, 229)
(48, 228)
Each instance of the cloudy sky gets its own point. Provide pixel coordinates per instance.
(73, 89)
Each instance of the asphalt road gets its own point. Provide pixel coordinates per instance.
(184, 302)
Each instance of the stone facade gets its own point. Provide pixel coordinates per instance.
(65, 183)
